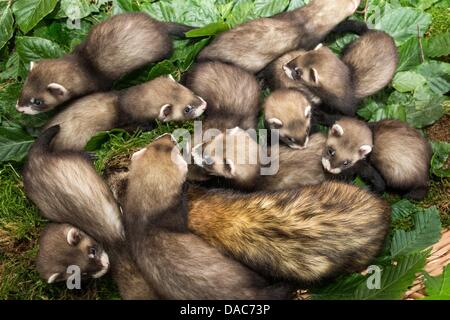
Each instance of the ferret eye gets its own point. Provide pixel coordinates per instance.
(36, 102)
(297, 73)
(291, 139)
(188, 109)
(92, 252)
(331, 152)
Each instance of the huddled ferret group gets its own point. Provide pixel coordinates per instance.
(216, 227)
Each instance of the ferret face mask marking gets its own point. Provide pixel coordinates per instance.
(317, 68)
(289, 112)
(180, 103)
(295, 132)
(63, 246)
(39, 93)
(342, 151)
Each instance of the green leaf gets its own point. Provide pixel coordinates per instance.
(76, 9)
(340, 289)
(395, 279)
(408, 81)
(294, 4)
(193, 12)
(242, 12)
(60, 33)
(360, 183)
(437, 46)
(162, 68)
(441, 151)
(438, 287)
(14, 144)
(437, 74)
(28, 13)
(403, 23)
(427, 227)
(184, 56)
(6, 24)
(13, 67)
(209, 30)
(425, 4)
(121, 6)
(403, 209)
(408, 55)
(33, 49)
(376, 112)
(426, 109)
(101, 138)
(267, 8)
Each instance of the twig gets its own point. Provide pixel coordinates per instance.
(422, 55)
(366, 6)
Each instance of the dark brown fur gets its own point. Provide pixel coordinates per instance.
(367, 66)
(233, 156)
(176, 263)
(232, 95)
(136, 106)
(113, 48)
(297, 167)
(276, 78)
(398, 153)
(254, 44)
(290, 112)
(56, 253)
(66, 189)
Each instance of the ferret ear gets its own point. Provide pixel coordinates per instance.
(164, 112)
(73, 236)
(337, 130)
(138, 154)
(171, 78)
(354, 5)
(288, 72)
(308, 111)
(230, 167)
(275, 123)
(32, 65)
(57, 90)
(320, 45)
(53, 278)
(316, 100)
(314, 76)
(365, 150)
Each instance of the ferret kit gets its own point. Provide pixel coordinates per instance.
(227, 216)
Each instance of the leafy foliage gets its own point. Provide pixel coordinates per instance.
(438, 288)
(41, 29)
(403, 257)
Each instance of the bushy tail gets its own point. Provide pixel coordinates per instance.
(373, 60)
(353, 26)
(177, 29)
(42, 143)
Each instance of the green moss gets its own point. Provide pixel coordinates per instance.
(440, 20)
(439, 195)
